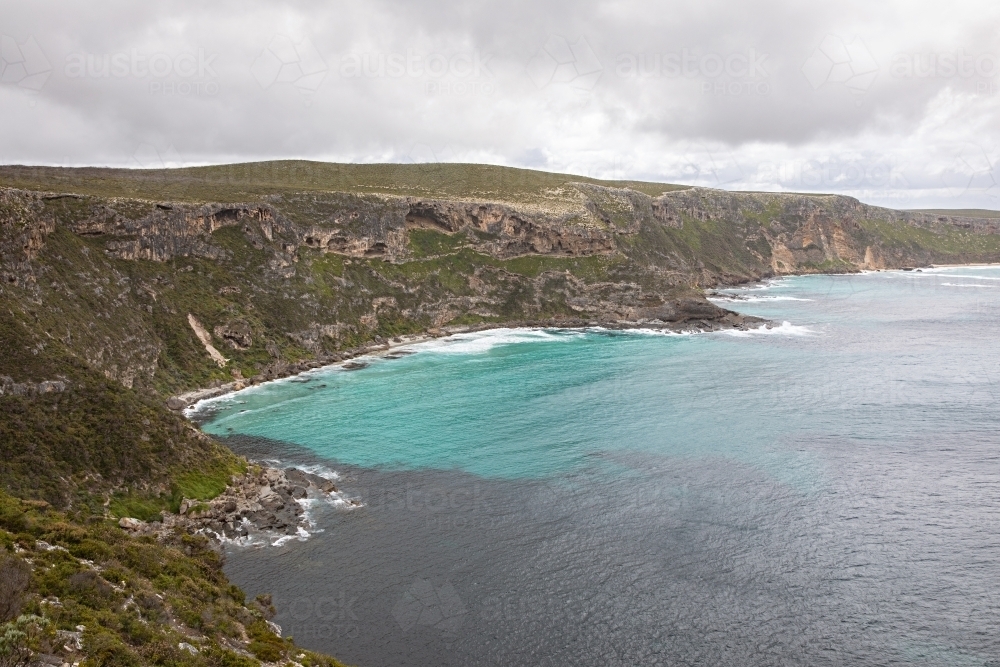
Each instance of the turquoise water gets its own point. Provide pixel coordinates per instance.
(530, 403)
(823, 492)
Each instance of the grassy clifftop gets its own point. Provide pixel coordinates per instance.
(238, 182)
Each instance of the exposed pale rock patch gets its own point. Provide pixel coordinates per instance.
(206, 340)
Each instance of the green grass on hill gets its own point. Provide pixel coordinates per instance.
(75, 446)
(960, 212)
(203, 483)
(253, 180)
(952, 244)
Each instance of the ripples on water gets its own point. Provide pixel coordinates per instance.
(824, 494)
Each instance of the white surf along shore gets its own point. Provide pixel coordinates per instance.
(474, 342)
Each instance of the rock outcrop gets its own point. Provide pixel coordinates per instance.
(511, 232)
(10, 388)
(262, 503)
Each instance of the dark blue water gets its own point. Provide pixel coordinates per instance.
(823, 493)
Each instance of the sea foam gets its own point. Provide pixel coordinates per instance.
(754, 299)
(965, 285)
(784, 329)
(481, 342)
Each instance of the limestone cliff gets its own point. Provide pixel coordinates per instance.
(116, 275)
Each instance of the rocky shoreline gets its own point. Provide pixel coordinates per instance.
(262, 504)
(280, 369)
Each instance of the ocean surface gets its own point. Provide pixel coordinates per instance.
(824, 492)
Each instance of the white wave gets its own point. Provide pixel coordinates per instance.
(966, 285)
(959, 267)
(948, 272)
(336, 499)
(340, 502)
(660, 332)
(288, 538)
(960, 275)
(480, 342)
(922, 269)
(754, 299)
(251, 540)
(319, 470)
(784, 329)
(301, 535)
(767, 284)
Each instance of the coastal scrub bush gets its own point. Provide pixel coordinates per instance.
(106, 649)
(265, 644)
(137, 506)
(89, 588)
(15, 575)
(221, 657)
(18, 638)
(205, 483)
(136, 598)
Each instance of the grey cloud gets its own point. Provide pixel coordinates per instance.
(896, 103)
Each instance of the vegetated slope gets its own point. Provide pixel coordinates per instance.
(249, 181)
(83, 589)
(74, 436)
(119, 288)
(292, 261)
(961, 212)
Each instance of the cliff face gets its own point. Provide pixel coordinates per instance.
(286, 277)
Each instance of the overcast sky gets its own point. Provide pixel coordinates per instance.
(897, 103)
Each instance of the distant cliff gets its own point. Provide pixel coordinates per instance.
(284, 275)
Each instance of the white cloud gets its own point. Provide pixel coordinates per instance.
(773, 95)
